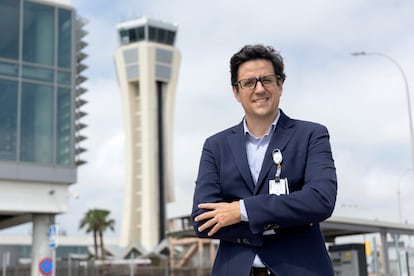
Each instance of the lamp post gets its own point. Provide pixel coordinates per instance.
(407, 91)
(396, 236)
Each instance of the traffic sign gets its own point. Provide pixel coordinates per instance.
(46, 266)
(53, 235)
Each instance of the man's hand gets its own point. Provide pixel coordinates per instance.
(219, 215)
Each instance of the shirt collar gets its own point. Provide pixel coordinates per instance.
(269, 131)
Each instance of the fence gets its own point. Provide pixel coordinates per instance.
(89, 269)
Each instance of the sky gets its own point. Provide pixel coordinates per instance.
(362, 100)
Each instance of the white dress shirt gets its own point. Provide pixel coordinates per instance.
(256, 149)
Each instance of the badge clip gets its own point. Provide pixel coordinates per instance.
(277, 159)
(278, 186)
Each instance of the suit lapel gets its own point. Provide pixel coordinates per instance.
(280, 138)
(237, 144)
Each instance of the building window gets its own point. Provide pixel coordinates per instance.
(36, 73)
(152, 33)
(36, 134)
(64, 38)
(140, 33)
(9, 69)
(161, 35)
(170, 38)
(64, 121)
(38, 33)
(9, 21)
(134, 35)
(8, 119)
(124, 36)
(64, 78)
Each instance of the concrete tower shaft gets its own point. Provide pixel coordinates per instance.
(147, 65)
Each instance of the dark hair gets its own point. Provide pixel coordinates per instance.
(258, 51)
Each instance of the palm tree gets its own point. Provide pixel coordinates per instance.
(97, 221)
(104, 223)
(89, 222)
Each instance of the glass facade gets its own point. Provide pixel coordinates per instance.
(38, 33)
(64, 36)
(36, 131)
(149, 33)
(37, 83)
(8, 119)
(9, 22)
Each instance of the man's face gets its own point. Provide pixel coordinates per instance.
(259, 103)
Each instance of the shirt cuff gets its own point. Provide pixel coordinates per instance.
(243, 211)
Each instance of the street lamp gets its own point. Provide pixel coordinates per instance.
(362, 53)
(407, 91)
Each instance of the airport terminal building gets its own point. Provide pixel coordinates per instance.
(41, 65)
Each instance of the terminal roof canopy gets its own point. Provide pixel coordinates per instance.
(340, 226)
(332, 228)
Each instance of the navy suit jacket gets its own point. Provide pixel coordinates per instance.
(297, 247)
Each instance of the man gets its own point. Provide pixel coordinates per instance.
(264, 185)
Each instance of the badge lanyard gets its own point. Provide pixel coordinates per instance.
(278, 186)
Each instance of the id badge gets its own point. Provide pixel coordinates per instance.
(279, 187)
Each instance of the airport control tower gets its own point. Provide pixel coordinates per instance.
(147, 66)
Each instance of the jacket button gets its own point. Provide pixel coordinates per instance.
(271, 226)
(243, 240)
(268, 226)
(246, 240)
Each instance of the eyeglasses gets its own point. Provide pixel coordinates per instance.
(250, 83)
